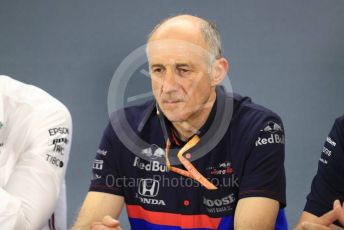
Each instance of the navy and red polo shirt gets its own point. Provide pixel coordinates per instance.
(247, 160)
(328, 183)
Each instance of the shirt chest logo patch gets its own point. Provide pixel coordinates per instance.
(271, 134)
(153, 152)
(149, 187)
(220, 204)
(148, 190)
(272, 127)
(223, 168)
(149, 166)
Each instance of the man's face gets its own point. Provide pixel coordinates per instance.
(180, 75)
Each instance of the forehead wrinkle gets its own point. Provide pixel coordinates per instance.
(176, 51)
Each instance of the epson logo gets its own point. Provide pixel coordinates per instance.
(152, 166)
(273, 139)
(219, 202)
(60, 130)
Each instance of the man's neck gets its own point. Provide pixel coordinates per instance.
(187, 129)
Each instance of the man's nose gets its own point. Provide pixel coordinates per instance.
(170, 82)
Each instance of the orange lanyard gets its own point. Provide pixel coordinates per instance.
(190, 171)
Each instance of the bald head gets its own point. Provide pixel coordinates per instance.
(190, 29)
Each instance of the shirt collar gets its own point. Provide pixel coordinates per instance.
(151, 110)
(172, 132)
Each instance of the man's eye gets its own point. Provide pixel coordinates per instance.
(183, 70)
(157, 70)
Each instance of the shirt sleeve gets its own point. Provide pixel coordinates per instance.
(29, 197)
(105, 166)
(328, 183)
(264, 174)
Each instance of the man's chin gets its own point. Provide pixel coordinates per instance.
(173, 118)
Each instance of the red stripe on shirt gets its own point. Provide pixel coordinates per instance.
(173, 219)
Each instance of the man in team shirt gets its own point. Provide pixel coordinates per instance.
(186, 67)
(323, 209)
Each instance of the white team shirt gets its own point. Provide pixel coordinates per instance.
(35, 139)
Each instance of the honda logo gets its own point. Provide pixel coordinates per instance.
(148, 187)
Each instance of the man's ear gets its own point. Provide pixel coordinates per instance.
(219, 72)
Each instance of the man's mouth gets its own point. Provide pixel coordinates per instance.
(171, 104)
(170, 101)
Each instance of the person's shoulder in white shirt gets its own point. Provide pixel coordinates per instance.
(35, 139)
